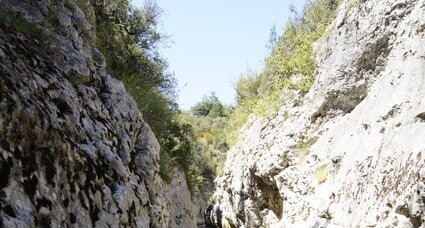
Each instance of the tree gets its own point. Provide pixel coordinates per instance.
(272, 42)
(128, 37)
(247, 87)
(209, 106)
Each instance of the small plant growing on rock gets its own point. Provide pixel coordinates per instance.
(304, 147)
(210, 197)
(286, 114)
(321, 173)
(354, 4)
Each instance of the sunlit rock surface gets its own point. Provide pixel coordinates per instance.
(351, 152)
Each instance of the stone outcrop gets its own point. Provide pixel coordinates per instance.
(182, 210)
(350, 153)
(74, 148)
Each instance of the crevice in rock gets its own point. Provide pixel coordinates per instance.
(130, 213)
(420, 117)
(213, 216)
(9, 211)
(72, 218)
(5, 167)
(94, 215)
(374, 58)
(44, 202)
(49, 164)
(266, 194)
(45, 221)
(415, 220)
(30, 186)
(29, 164)
(395, 110)
(82, 200)
(62, 106)
(344, 101)
(66, 202)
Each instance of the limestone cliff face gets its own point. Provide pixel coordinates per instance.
(74, 148)
(351, 152)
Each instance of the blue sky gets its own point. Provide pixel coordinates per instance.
(213, 42)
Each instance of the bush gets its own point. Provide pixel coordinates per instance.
(209, 106)
(128, 38)
(247, 87)
(293, 54)
(290, 67)
(209, 141)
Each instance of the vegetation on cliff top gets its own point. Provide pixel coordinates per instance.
(128, 37)
(289, 68)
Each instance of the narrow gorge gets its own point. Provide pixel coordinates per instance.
(342, 146)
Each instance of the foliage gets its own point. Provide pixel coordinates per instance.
(177, 149)
(293, 54)
(165, 164)
(321, 173)
(209, 106)
(209, 142)
(246, 87)
(208, 119)
(192, 142)
(272, 42)
(290, 66)
(128, 38)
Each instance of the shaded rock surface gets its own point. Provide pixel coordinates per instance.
(350, 153)
(182, 209)
(74, 148)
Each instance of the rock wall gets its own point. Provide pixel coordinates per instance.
(182, 209)
(74, 148)
(350, 153)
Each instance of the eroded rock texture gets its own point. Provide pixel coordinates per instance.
(351, 152)
(74, 148)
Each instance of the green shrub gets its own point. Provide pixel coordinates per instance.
(290, 67)
(128, 38)
(247, 87)
(165, 166)
(209, 106)
(209, 140)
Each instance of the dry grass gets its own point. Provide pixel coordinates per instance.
(321, 173)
